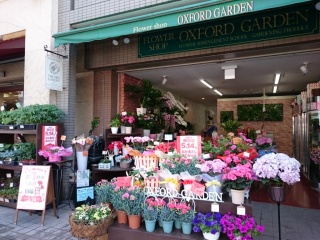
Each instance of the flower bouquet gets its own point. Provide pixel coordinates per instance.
(240, 227)
(82, 143)
(55, 153)
(208, 223)
(115, 146)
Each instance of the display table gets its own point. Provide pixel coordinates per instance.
(116, 171)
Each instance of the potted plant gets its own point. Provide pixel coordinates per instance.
(150, 214)
(209, 224)
(25, 152)
(128, 120)
(237, 180)
(184, 216)
(94, 124)
(167, 216)
(115, 123)
(275, 170)
(105, 163)
(133, 203)
(240, 227)
(125, 161)
(231, 126)
(55, 153)
(104, 191)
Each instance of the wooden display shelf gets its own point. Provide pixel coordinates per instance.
(11, 167)
(18, 131)
(98, 174)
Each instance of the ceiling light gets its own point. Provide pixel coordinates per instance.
(205, 83)
(275, 88)
(317, 6)
(164, 80)
(277, 78)
(304, 68)
(203, 98)
(218, 92)
(126, 40)
(229, 71)
(115, 42)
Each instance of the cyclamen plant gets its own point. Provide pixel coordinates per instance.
(277, 168)
(263, 142)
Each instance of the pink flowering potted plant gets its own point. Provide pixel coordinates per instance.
(277, 170)
(127, 120)
(240, 227)
(55, 153)
(237, 180)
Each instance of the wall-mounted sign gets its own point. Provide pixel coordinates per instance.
(295, 20)
(49, 136)
(53, 73)
(189, 146)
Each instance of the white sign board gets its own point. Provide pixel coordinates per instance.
(53, 73)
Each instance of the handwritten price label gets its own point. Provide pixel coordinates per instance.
(189, 146)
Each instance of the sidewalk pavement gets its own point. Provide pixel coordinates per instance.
(296, 223)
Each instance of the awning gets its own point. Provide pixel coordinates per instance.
(12, 49)
(206, 10)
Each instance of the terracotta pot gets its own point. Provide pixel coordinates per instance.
(122, 217)
(134, 221)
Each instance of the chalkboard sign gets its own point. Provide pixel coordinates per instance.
(36, 189)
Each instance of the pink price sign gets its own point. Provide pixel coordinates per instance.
(189, 146)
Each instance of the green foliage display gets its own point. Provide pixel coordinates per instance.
(225, 116)
(253, 112)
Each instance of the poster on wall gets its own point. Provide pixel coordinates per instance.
(53, 73)
(189, 146)
(49, 136)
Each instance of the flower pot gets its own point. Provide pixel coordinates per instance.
(146, 132)
(167, 226)
(150, 225)
(54, 159)
(116, 150)
(177, 223)
(237, 196)
(277, 194)
(128, 130)
(82, 161)
(210, 236)
(114, 130)
(186, 227)
(160, 223)
(134, 221)
(124, 165)
(122, 217)
(123, 129)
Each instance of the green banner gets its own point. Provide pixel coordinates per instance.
(296, 20)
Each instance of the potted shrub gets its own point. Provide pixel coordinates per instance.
(115, 123)
(104, 164)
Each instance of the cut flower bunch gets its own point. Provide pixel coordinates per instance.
(82, 143)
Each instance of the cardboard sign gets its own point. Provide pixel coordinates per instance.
(123, 181)
(49, 136)
(189, 146)
(33, 187)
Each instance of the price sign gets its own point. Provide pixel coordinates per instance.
(49, 135)
(189, 146)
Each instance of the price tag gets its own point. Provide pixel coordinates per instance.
(214, 207)
(63, 138)
(10, 127)
(241, 210)
(206, 156)
(20, 164)
(85, 153)
(104, 152)
(168, 137)
(8, 175)
(11, 184)
(246, 154)
(21, 126)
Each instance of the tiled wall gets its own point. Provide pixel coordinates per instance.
(282, 130)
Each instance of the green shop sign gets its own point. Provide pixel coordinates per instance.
(290, 21)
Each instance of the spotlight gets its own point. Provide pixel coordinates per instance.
(304, 68)
(164, 80)
(126, 40)
(115, 42)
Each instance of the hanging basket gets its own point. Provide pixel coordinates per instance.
(92, 230)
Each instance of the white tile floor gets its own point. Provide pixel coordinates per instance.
(296, 223)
